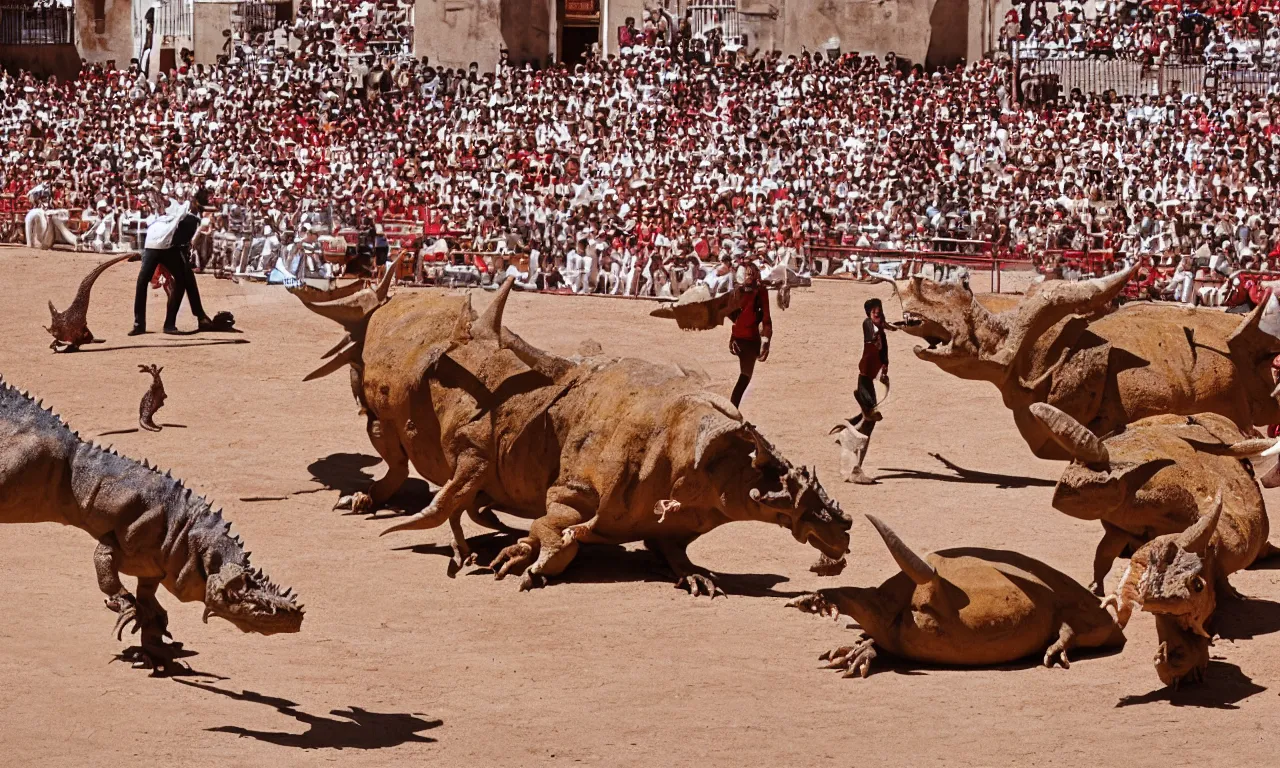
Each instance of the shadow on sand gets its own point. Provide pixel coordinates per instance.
(605, 564)
(1224, 687)
(211, 343)
(962, 475)
(345, 473)
(351, 728)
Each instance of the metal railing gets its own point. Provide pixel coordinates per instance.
(716, 14)
(173, 19)
(1040, 78)
(37, 26)
(255, 17)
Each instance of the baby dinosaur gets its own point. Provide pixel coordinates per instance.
(152, 400)
(966, 607)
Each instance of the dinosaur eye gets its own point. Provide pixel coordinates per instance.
(1197, 584)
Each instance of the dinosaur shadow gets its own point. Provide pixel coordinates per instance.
(352, 728)
(900, 665)
(1224, 687)
(344, 472)
(962, 475)
(606, 564)
(135, 429)
(1246, 619)
(178, 669)
(216, 343)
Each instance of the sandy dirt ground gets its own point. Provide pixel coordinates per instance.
(399, 664)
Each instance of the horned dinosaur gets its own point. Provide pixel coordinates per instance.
(592, 450)
(1060, 346)
(152, 400)
(966, 607)
(147, 524)
(1154, 477)
(70, 329)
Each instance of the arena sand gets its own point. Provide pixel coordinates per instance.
(398, 664)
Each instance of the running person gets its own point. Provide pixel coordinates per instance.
(873, 364)
(749, 340)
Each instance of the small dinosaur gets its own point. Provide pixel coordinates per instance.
(966, 607)
(70, 328)
(153, 400)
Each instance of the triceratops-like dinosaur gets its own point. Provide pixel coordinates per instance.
(70, 329)
(595, 450)
(1141, 360)
(146, 525)
(966, 607)
(1153, 478)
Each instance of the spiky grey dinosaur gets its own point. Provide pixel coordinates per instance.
(153, 400)
(147, 525)
(70, 329)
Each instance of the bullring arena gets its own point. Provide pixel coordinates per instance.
(398, 663)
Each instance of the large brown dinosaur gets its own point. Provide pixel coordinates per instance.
(597, 450)
(966, 607)
(1105, 370)
(146, 524)
(70, 329)
(1154, 477)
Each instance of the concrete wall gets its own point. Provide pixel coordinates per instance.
(454, 33)
(116, 41)
(208, 21)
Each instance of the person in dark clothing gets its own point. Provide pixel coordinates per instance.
(873, 364)
(174, 259)
(752, 328)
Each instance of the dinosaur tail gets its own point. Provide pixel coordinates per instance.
(86, 285)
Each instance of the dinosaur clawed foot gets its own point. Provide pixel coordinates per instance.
(815, 603)
(516, 556)
(462, 558)
(700, 584)
(854, 659)
(532, 580)
(358, 503)
(1058, 652)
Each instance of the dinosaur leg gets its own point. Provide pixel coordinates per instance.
(484, 517)
(1066, 639)
(106, 562)
(462, 554)
(152, 652)
(1112, 545)
(698, 581)
(387, 443)
(556, 549)
(453, 498)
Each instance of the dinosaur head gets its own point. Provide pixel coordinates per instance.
(793, 497)
(1096, 482)
(251, 602)
(968, 340)
(233, 589)
(1178, 581)
(1182, 655)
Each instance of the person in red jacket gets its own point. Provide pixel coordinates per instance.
(752, 328)
(873, 364)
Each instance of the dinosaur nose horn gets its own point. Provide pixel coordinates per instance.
(1074, 437)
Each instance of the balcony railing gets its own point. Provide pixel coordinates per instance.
(37, 26)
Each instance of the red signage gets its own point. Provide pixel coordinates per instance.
(582, 8)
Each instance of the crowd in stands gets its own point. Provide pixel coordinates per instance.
(642, 173)
(1235, 32)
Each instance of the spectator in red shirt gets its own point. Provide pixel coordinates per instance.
(752, 328)
(873, 363)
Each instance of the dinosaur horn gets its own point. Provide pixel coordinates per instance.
(911, 564)
(412, 521)
(462, 328)
(346, 339)
(1073, 436)
(349, 355)
(1197, 537)
(489, 324)
(384, 285)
